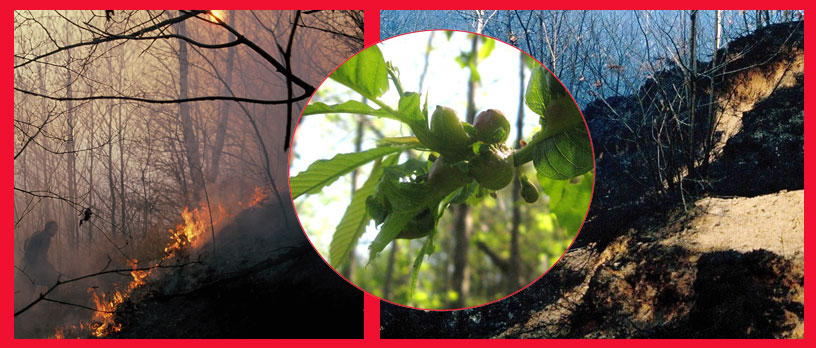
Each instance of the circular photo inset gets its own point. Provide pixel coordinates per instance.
(441, 170)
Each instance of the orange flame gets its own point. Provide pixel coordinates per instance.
(257, 196)
(104, 314)
(186, 235)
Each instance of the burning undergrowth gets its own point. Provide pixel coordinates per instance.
(258, 265)
(101, 292)
(186, 238)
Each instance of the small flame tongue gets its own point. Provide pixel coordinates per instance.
(188, 233)
(257, 196)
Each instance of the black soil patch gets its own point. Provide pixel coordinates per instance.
(768, 154)
(744, 296)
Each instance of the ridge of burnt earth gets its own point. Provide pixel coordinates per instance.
(768, 154)
(764, 71)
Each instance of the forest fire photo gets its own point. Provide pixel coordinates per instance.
(150, 162)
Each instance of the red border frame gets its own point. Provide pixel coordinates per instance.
(371, 305)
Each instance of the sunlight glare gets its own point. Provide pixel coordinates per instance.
(217, 15)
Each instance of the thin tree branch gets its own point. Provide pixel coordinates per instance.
(166, 101)
(99, 40)
(43, 297)
(307, 88)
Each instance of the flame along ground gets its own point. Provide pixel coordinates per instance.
(187, 235)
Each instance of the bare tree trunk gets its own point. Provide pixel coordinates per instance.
(462, 220)
(472, 84)
(425, 65)
(72, 224)
(348, 269)
(389, 271)
(121, 127)
(91, 189)
(692, 82)
(514, 264)
(480, 21)
(111, 185)
(190, 139)
(712, 112)
(541, 35)
(461, 272)
(42, 71)
(287, 60)
(221, 131)
(509, 31)
(147, 204)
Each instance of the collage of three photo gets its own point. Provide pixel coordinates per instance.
(407, 174)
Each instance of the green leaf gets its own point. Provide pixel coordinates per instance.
(391, 227)
(486, 48)
(406, 141)
(561, 150)
(569, 199)
(415, 118)
(529, 61)
(425, 105)
(324, 172)
(462, 59)
(404, 196)
(564, 155)
(558, 110)
(428, 246)
(474, 73)
(348, 107)
(409, 107)
(427, 249)
(553, 188)
(365, 73)
(463, 193)
(537, 95)
(354, 220)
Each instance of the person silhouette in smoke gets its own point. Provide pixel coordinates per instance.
(36, 265)
(86, 215)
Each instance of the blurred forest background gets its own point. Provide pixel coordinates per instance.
(486, 249)
(597, 54)
(680, 105)
(138, 116)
